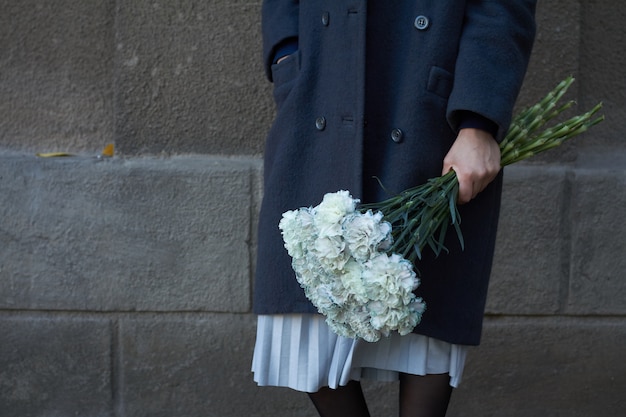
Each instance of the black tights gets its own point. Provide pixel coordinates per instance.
(344, 401)
(420, 396)
(424, 396)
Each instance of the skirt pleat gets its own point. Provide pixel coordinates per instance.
(300, 351)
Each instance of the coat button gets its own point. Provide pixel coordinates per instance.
(422, 22)
(325, 18)
(396, 135)
(320, 123)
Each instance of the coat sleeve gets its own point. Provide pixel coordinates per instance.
(494, 51)
(279, 23)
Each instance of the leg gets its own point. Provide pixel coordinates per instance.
(424, 396)
(345, 401)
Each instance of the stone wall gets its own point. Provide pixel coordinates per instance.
(125, 282)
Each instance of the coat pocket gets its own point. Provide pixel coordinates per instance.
(440, 82)
(284, 75)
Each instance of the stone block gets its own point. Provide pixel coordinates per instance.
(190, 78)
(143, 234)
(57, 66)
(55, 366)
(598, 259)
(531, 247)
(197, 365)
(552, 366)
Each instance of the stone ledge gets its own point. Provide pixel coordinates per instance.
(116, 235)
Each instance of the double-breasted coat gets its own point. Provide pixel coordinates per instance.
(375, 94)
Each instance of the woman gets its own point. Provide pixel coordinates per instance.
(393, 93)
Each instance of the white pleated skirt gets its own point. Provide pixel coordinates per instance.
(300, 351)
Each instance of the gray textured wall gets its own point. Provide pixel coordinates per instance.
(125, 283)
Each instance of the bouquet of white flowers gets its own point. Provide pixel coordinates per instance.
(355, 262)
(339, 256)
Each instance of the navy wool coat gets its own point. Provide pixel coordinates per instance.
(377, 90)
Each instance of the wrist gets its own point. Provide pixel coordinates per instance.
(471, 120)
(284, 49)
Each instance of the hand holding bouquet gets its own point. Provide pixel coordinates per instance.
(355, 263)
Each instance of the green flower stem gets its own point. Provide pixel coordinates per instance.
(420, 216)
